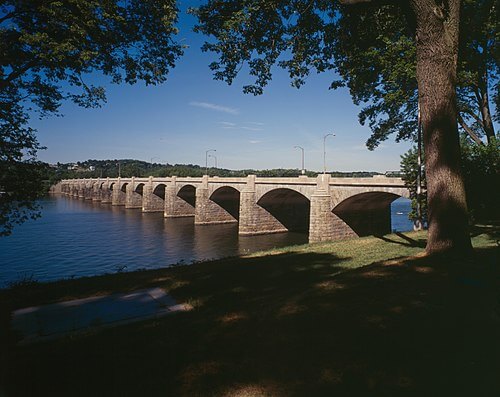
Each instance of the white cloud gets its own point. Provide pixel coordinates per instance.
(227, 125)
(253, 126)
(213, 106)
(254, 142)
(254, 123)
(250, 128)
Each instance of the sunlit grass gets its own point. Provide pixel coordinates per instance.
(359, 252)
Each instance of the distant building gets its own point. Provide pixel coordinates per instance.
(91, 168)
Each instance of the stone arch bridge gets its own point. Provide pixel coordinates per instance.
(325, 207)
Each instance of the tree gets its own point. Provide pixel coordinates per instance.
(48, 49)
(325, 35)
(409, 167)
(478, 68)
(481, 169)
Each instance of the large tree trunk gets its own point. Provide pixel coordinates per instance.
(437, 50)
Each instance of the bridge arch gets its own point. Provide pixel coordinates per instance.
(159, 190)
(289, 207)
(228, 198)
(188, 194)
(124, 187)
(139, 188)
(367, 213)
(111, 185)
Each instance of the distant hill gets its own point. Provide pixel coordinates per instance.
(138, 168)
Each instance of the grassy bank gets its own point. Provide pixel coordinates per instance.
(347, 318)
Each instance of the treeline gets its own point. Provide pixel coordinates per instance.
(127, 168)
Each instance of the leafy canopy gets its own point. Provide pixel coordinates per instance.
(371, 47)
(48, 49)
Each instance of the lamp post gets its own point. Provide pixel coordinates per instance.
(418, 224)
(302, 149)
(324, 151)
(119, 170)
(215, 157)
(206, 159)
(151, 161)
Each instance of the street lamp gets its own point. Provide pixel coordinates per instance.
(302, 149)
(206, 159)
(418, 224)
(324, 151)
(215, 157)
(119, 170)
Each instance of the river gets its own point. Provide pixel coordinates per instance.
(76, 238)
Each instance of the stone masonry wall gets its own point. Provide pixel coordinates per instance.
(207, 212)
(254, 219)
(118, 197)
(132, 199)
(150, 201)
(175, 207)
(106, 194)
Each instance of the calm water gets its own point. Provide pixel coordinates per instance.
(75, 238)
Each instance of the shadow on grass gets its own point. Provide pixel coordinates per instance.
(408, 242)
(491, 229)
(289, 325)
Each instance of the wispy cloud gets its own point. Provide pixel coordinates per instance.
(248, 126)
(213, 106)
(254, 142)
(227, 125)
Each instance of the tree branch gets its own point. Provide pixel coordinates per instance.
(474, 116)
(16, 73)
(471, 133)
(7, 16)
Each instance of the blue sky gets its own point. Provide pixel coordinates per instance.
(179, 120)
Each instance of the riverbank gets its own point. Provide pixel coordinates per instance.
(328, 319)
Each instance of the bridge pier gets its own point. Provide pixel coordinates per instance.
(206, 211)
(87, 190)
(254, 219)
(118, 196)
(176, 207)
(96, 191)
(106, 193)
(81, 191)
(324, 225)
(150, 201)
(132, 198)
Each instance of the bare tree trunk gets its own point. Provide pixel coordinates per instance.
(437, 51)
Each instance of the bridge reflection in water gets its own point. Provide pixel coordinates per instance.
(76, 238)
(326, 208)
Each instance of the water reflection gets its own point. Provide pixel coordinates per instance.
(77, 238)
